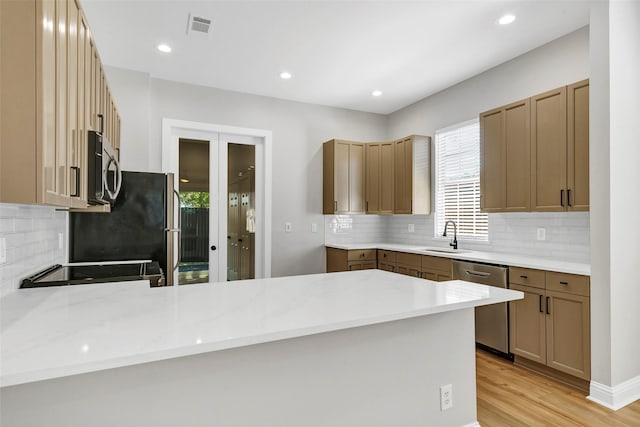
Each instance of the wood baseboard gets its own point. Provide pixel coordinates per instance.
(570, 380)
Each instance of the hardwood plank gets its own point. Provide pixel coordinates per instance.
(509, 395)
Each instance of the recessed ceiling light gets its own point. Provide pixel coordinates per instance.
(164, 48)
(506, 19)
(285, 75)
(376, 93)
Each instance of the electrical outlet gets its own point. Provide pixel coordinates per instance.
(542, 234)
(411, 228)
(3, 250)
(287, 227)
(314, 227)
(446, 397)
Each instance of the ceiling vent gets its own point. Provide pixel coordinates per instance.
(199, 26)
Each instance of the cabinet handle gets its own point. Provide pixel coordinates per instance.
(349, 268)
(564, 283)
(568, 197)
(384, 255)
(562, 197)
(362, 254)
(366, 206)
(524, 277)
(548, 312)
(101, 117)
(540, 303)
(76, 193)
(335, 205)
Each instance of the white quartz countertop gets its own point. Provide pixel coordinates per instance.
(513, 260)
(59, 331)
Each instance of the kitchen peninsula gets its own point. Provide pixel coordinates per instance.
(354, 348)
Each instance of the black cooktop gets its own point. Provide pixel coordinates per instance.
(59, 275)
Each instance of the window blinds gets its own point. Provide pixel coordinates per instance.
(458, 181)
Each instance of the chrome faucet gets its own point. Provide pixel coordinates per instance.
(454, 243)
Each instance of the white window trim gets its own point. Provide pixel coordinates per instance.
(481, 240)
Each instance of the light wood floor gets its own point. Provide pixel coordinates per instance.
(512, 396)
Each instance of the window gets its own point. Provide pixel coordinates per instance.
(458, 181)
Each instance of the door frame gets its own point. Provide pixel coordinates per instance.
(219, 136)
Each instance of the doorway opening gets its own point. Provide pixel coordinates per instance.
(241, 208)
(193, 181)
(220, 140)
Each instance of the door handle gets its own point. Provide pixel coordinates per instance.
(562, 197)
(213, 247)
(477, 273)
(76, 193)
(540, 303)
(548, 312)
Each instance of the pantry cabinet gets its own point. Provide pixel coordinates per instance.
(47, 65)
(343, 185)
(505, 158)
(551, 325)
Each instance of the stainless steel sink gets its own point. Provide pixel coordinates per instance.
(444, 250)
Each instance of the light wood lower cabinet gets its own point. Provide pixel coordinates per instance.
(551, 325)
(348, 260)
(436, 268)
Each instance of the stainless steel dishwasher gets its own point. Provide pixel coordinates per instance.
(492, 321)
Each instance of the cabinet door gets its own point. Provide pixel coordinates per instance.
(386, 266)
(403, 190)
(372, 180)
(527, 324)
(568, 334)
(74, 92)
(408, 270)
(517, 149)
(336, 260)
(492, 172)
(386, 177)
(341, 174)
(549, 151)
(578, 146)
(62, 118)
(356, 177)
(47, 100)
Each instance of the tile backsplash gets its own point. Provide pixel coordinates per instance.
(567, 234)
(32, 241)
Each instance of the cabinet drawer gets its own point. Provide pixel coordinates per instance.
(569, 283)
(362, 254)
(436, 263)
(386, 256)
(413, 260)
(527, 277)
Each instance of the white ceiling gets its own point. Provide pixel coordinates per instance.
(337, 51)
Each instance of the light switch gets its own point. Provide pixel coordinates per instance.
(314, 227)
(287, 227)
(411, 228)
(542, 234)
(3, 250)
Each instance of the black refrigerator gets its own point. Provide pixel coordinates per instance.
(142, 224)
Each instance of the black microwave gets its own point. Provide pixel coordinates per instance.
(105, 176)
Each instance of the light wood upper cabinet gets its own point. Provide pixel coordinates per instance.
(45, 83)
(343, 177)
(549, 150)
(379, 178)
(412, 177)
(578, 146)
(535, 153)
(505, 158)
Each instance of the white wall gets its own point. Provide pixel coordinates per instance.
(31, 234)
(562, 61)
(298, 132)
(624, 147)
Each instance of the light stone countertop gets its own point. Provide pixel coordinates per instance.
(60, 331)
(513, 260)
